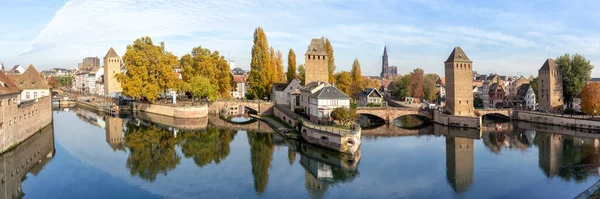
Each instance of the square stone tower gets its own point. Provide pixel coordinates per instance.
(112, 66)
(459, 83)
(316, 62)
(550, 92)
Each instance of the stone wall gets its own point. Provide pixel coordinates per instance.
(262, 107)
(180, 123)
(18, 123)
(290, 120)
(173, 111)
(457, 121)
(556, 120)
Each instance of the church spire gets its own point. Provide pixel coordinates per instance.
(385, 51)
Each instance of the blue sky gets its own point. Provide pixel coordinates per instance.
(508, 37)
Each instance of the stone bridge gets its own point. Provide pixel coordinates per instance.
(390, 113)
(390, 130)
(257, 126)
(503, 112)
(261, 107)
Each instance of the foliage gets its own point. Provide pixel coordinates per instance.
(149, 70)
(259, 87)
(201, 63)
(301, 74)
(535, 86)
(344, 115)
(64, 80)
(279, 73)
(478, 102)
(344, 81)
(590, 98)
(207, 147)
(374, 105)
(291, 70)
(202, 88)
(291, 156)
(416, 83)
(330, 58)
(52, 82)
(357, 79)
(371, 83)
(401, 86)
(430, 87)
(575, 71)
(261, 155)
(152, 151)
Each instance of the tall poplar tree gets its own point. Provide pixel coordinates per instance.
(357, 79)
(279, 67)
(259, 79)
(330, 57)
(149, 70)
(301, 73)
(291, 70)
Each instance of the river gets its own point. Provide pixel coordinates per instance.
(106, 157)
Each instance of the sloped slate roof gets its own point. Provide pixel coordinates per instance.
(31, 79)
(368, 92)
(316, 47)
(522, 92)
(550, 64)
(458, 55)
(310, 86)
(279, 86)
(329, 92)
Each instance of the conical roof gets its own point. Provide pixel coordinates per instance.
(550, 64)
(111, 53)
(458, 55)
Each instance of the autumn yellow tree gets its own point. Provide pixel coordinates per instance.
(330, 58)
(149, 70)
(371, 83)
(202, 64)
(344, 82)
(301, 73)
(291, 70)
(416, 83)
(279, 73)
(357, 79)
(259, 79)
(590, 98)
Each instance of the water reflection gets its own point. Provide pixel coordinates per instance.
(261, 154)
(211, 146)
(459, 163)
(28, 157)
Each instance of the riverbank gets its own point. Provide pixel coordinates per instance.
(572, 121)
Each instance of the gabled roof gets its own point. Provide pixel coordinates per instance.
(316, 47)
(111, 53)
(367, 92)
(31, 79)
(329, 92)
(458, 55)
(279, 86)
(550, 64)
(442, 81)
(239, 79)
(595, 79)
(311, 85)
(7, 85)
(522, 92)
(386, 82)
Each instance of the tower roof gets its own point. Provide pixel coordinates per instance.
(550, 64)
(316, 47)
(385, 51)
(111, 53)
(458, 55)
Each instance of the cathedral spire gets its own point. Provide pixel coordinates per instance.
(384, 50)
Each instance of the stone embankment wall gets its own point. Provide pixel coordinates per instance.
(457, 121)
(180, 123)
(19, 123)
(173, 111)
(288, 117)
(554, 119)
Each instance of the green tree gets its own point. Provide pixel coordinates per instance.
(261, 155)
(534, 86)
(416, 83)
(207, 147)
(202, 88)
(357, 79)
(575, 71)
(301, 73)
(64, 80)
(201, 62)
(344, 115)
(344, 82)
(430, 86)
(291, 70)
(401, 86)
(149, 70)
(330, 58)
(259, 87)
(151, 151)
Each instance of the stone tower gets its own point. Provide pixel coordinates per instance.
(114, 132)
(384, 64)
(459, 163)
(459, 83)
(550, 90)
(112, 66)
(316, 62)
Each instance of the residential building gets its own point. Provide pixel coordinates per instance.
(306, 91)
(238, 71)
(387, 72)
(239, 91)
(595, 79)
(324, 101)
(459, 83)
(441, 88)
(99, 85)
(550, 87)
(112, 66)
(92, 77)
(31, 83)
(515, 83)
(289, 89)
(370, 96)
(477, 88)
(496, 95)
(528, 95)
(386, 88)
(93, 62)
(277, 93)
(487, 82)
(316, 62)
(17, 69)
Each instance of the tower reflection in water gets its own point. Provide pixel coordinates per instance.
(28, 157)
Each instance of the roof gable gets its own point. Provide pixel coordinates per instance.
(458, 55)
(111, 53)
(329, 92)
(31, 79)
(7, 85)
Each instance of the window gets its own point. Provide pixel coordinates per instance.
(34, 94)
(27, 95)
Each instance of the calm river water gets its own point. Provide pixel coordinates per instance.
(103, 157)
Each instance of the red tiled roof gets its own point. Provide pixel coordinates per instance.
(239, 79)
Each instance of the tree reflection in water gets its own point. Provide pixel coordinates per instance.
(152, 151)
(261, 154)
(206, 147)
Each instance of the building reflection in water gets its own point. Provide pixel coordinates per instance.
(114, 133)
(29, 156)
(459, 163)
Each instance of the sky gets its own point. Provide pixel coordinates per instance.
(504, 36)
